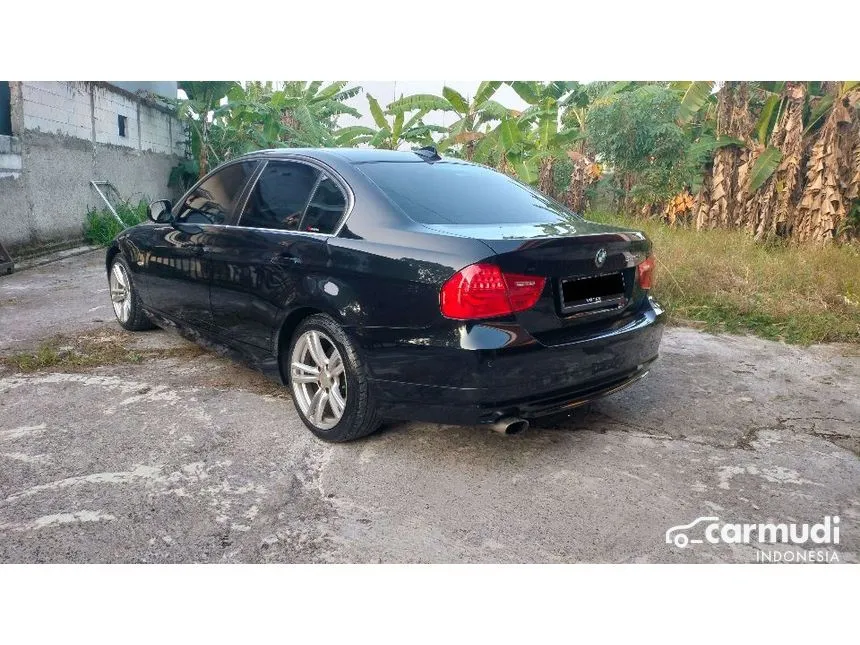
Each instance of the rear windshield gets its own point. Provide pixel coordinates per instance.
(455, 193)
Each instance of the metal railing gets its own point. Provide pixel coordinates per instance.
(108, 188)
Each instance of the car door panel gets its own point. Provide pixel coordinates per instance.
(256, 275)
(264, 265)
(176, 273)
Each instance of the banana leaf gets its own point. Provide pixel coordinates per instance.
(695, 96)
(425, 102)
(764, 167)
(456, 100)
(376, 112)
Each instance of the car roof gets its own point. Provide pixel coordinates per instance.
(351, 155)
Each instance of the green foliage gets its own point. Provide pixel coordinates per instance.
(561, 170)
(637, 133)
(464, 135)
(101, 227)
(227, 119)
(184, 174)
(391, 134)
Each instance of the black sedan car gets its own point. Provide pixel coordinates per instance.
(386, 284)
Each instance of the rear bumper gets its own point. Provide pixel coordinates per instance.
(525, 379)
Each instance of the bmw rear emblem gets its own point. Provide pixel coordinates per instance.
(600, 258)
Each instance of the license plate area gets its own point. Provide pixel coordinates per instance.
(592, 294)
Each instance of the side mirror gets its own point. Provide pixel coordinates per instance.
(160, 211)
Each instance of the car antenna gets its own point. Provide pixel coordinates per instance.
(428, 153)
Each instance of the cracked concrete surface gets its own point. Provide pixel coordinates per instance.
(197, 459)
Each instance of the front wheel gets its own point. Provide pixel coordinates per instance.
(123, 295)
(330, 390)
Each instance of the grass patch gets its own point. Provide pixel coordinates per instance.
(724, 281)
(98, 348)
(101, 226)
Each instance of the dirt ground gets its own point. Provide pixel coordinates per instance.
(118, 447)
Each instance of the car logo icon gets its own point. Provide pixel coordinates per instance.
(600, 258)
(677, 536)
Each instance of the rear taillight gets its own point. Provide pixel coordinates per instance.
(484, 291)
(645, 272)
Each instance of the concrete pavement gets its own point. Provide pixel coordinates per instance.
(171, 454)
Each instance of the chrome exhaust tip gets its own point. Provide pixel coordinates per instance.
(510, 425)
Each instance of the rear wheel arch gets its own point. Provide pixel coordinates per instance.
(287, 329)
(112, 252)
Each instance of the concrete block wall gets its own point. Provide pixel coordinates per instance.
(67, 134)
(160, 132)
(106, 108)
(59, 108)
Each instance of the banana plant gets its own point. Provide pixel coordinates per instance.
(467, 130)
(310, 111)
(527, 142)
(249, 120)
(391, 131)
(197, 112)
(820, 98)
(694, 96)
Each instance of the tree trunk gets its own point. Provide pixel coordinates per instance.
(733, 120)
(703, 200)
(203, 157)
(770, 210)
(545, 183)
(832, 174)
(469, 150)
(574, 196)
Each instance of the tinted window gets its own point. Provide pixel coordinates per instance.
(213, 201)
(278, 200)
(325, 209)
(455, 193)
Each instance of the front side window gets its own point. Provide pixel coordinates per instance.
(325, 208)
(213, 201)
(279, 198)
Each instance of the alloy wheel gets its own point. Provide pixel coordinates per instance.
(120, 292)
(318, 379)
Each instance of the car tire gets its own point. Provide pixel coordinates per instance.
(128, 311)
(359, 413)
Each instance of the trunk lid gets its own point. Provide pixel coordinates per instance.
(590, 272)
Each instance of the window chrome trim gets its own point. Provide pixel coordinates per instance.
(324, 169)
(271, 230)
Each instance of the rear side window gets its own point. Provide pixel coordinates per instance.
(456, 193)
(279, 198)
(325, 209)
(213, 201)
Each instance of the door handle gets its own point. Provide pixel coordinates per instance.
(286, 259)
